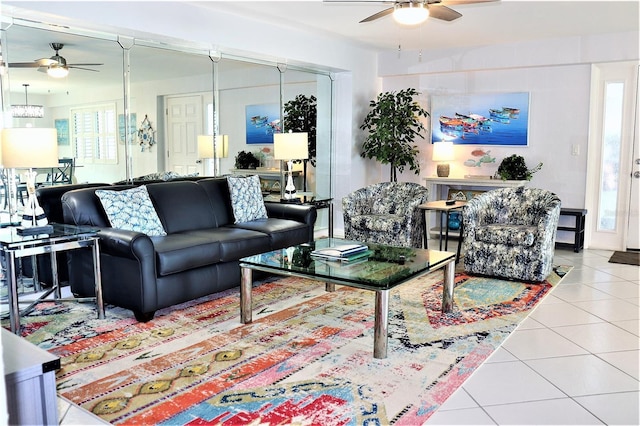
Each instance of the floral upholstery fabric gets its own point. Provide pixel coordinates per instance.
(511, 233)
(385, 213)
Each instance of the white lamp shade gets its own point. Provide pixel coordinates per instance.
(290, 146)
(443, 151)
(205, 146)
(29, 147)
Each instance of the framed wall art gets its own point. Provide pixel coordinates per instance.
(262, 121)
(481, 119)
(62, 129)
(133, 128)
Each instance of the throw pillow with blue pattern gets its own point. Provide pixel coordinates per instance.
(246, 198)
(132, 210)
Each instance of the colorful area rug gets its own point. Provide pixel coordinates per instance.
(306, 358)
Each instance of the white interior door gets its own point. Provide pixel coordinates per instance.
(184, 124)
(612, 199)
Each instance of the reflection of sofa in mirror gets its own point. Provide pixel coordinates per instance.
(198, 256)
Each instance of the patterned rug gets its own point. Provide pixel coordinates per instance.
(306, 358)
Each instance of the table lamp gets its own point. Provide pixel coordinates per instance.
(206, 149)
(442, 154)
(29, 148)
(290, 146)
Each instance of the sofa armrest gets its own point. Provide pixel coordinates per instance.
(306, 214)
(127, 244)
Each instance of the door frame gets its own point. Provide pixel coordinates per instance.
(626, 72)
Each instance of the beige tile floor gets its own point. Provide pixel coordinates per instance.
(573, 361)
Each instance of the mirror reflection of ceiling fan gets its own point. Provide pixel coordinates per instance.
(55, 66)
(413, 12)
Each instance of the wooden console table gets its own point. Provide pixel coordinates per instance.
(436, 184)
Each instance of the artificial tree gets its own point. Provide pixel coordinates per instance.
(301, 115)
(392, 124)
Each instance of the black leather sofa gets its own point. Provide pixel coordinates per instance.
(198, 256)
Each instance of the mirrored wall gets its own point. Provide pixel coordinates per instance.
(157, 99)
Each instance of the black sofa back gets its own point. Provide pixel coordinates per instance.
(49, 198)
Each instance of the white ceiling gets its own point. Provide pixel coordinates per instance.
(505, 21)
(494, 22)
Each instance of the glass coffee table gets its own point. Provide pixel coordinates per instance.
(386, 268)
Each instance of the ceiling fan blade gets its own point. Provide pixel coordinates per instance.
(457, 2)
(23, 65)
(83, 65)
(81, 68)
(443, 13)
(378, 15)
(45, 62)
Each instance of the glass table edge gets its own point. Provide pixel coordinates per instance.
(355, 284)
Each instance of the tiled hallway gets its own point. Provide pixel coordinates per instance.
(573, 361)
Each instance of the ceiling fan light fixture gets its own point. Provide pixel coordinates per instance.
(410, 13)
(57, 71)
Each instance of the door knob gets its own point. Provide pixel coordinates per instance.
(636, 175)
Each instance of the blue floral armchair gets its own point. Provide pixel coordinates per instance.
(510, 233)
(386, 213)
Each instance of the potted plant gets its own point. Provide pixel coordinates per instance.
(392, 125)
(515, 168)
(246, 160)
(301, 115)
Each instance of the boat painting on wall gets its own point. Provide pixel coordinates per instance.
(481, 119)
(262, 121)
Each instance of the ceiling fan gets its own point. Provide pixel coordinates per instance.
(412, 12)
(55, 66)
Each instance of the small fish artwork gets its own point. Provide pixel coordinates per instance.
(484, 157)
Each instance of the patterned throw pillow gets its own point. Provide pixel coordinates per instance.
(246, 198)
(132, 210)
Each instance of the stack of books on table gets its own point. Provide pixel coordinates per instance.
(343, 252)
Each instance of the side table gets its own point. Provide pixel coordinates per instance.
(318, 201)
(445, 210)
(63, 238)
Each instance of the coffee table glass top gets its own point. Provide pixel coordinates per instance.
(386, 268)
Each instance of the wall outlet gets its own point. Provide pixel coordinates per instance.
(575, 149)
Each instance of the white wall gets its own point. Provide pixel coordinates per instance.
(556, 73)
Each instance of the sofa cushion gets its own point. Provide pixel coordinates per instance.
(132, 210)
(182, 206)
(280, 231)
(246, 198)
(236, 243)
(513, 235)
(183, 251)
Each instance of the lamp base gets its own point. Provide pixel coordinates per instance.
(443, 170)
(290, 189)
